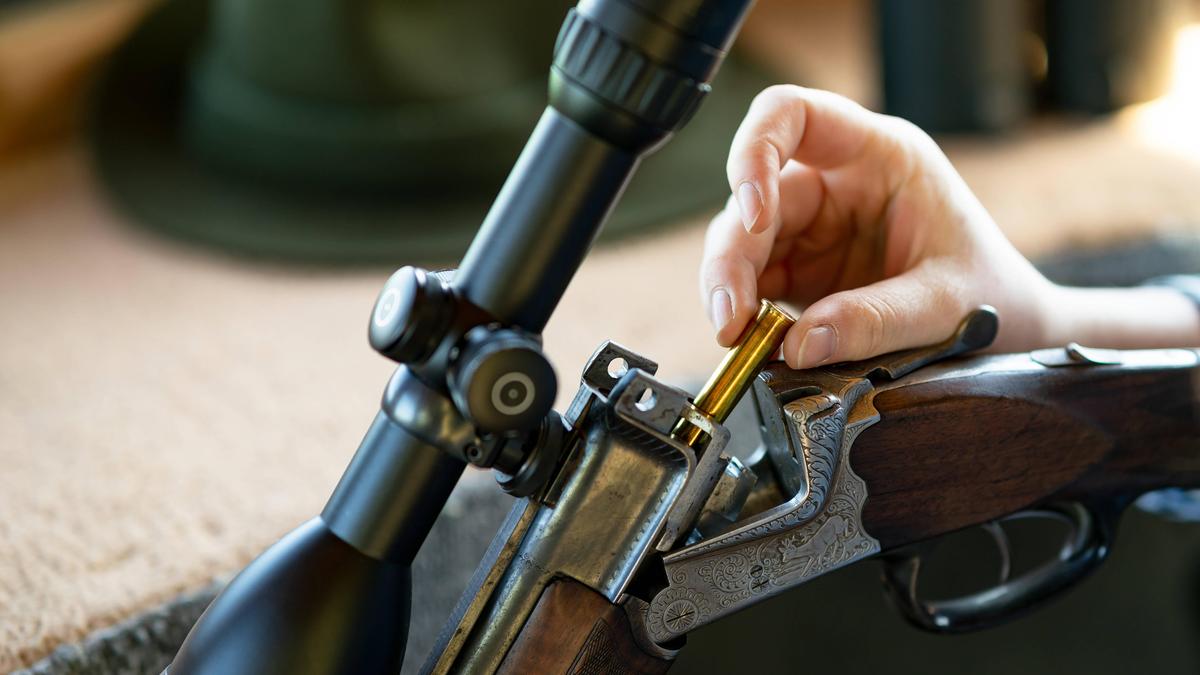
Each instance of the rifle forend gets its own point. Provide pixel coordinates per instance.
(599, 573)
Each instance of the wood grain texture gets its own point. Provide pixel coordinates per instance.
(576, 631)
(953, 453)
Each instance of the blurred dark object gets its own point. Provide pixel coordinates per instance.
(972, 65)
(1104, 54)
(369, 98)
(955, 65)
(1127, 265)
(357, 132)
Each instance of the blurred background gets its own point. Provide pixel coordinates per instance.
(199, 200)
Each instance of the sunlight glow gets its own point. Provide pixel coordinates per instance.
(1172, 122)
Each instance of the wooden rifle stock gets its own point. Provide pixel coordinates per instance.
(953, 451)
(576, 631)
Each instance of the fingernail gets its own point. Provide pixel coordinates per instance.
(750, 204)
(816, 347)
(721, 308)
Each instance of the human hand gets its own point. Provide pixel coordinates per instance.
(861, 220)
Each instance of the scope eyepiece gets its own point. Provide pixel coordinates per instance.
(634, 72)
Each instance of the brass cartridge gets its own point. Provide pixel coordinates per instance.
(758, 343)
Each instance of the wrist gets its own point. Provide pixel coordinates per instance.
(1144, 317)
(1028, 317)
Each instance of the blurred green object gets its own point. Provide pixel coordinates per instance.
(357, 132)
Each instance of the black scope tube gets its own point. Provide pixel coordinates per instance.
(543, 222)
(392, 492)
(626, 75)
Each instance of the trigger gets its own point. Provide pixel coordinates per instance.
(999, 536)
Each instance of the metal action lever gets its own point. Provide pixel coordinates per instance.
(976, 331)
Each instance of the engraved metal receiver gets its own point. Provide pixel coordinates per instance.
(810, 420)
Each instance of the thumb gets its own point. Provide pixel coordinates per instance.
(911, 310)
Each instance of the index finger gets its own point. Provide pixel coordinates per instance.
(817, 128)
(734, 259)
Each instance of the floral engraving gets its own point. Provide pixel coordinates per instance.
(728, 573)
(674, 611)
(821, 533)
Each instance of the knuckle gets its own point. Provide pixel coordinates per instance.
(775, 95)
(912, 135)
(733, 167)
(947, 285)
(728, 267)
(949, 300)
(710, 278)
(903, 128)
(842, 104)
(715, 235)
(704, 286)
(751, 160)
(719, 265)
(873, 316)
(711, 272)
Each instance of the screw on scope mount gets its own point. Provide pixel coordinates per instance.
(531, 466)
(501, 381)
(411, 315)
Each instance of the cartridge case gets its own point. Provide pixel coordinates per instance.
(754, 347)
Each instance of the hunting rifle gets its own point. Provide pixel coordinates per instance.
(634, 526)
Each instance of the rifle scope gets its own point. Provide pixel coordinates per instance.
(333, 596)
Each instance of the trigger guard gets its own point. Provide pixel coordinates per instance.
(1085, 549)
